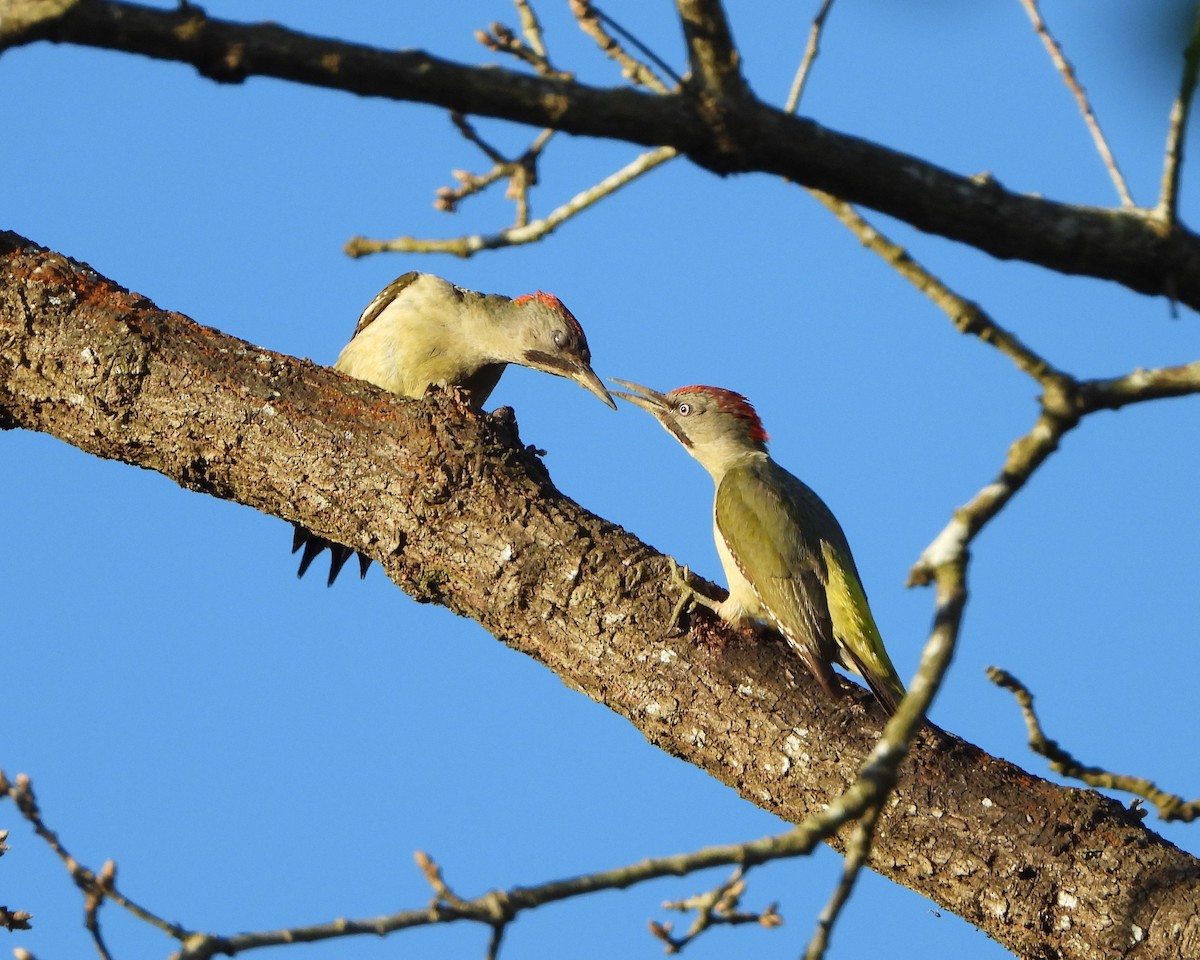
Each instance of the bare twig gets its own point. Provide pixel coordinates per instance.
(12, 919)
(20, 791)
(876, 778)
(520, 172)
(966, 315)
(530, 50)
(1064, 401)
(467, 246)
(495, 909)
(1063, 405)
(93, 900)
(15, 919)
(592, 19)
(716, 907)
(471, 135)
(1168, 200)
(1068, 74)
(810, 55)
(530, 27)
(1170, 806)
(856, 856)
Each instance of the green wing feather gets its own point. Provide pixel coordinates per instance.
(790, 546)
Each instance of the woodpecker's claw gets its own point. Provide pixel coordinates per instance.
(688, 596)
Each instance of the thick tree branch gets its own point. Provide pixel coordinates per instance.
(458, 512)
(1132, 247)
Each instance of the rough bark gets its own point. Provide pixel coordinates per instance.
(460, 513)
(714, 121)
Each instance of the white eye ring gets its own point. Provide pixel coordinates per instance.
(558, 338)
(684, 409)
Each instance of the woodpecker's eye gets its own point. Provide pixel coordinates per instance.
(684, 409)
(559, 338)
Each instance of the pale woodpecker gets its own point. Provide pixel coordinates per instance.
(422, 331)
(784, 553)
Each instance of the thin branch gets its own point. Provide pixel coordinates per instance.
(810, 55)
(521, 173)
(494, 941)
(1068, 74)
(1064, 401)
(714, 908)
(467, 246)
(1159, 383)
(1170, 806)
(856, 856)
(1064, 404)
(1168, 200)
(714, 60)
(498, 908)
(967, 316)
(591, 21)
(495, 908)
(12, 919)
(15, 919)
(20, 791)
(877, 776)
(501, 39)
(93, 900)
(531, 27)
(471, 135)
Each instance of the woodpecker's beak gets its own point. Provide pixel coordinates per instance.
(586, 378)
(649, 400)
(657, 405)
(572, 367)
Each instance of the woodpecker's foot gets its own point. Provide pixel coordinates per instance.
(689, 596)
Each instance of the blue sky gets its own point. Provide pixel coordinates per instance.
(257, 751)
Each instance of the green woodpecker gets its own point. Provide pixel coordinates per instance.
(784, 553)
(422, 331)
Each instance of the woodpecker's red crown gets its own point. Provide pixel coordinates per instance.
(551, 301)
(732, 403)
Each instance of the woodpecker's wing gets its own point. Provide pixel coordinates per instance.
(382, 299)
(859, 643)
(790, 546)
(755, 520)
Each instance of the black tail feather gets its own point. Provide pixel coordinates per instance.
(338, 554)
(312, 549)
